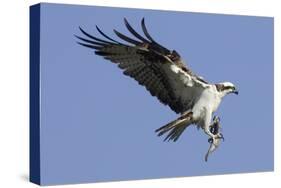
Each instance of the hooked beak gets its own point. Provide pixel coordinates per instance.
(235, 92)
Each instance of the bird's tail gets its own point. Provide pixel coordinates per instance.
(176, 127)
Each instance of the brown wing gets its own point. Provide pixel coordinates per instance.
(149, 64)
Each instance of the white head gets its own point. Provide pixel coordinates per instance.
(226, 87)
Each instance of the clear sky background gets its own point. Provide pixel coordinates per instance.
(98, 125)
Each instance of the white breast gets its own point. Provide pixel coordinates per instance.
(207, 103)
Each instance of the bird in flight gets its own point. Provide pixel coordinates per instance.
(165, 75)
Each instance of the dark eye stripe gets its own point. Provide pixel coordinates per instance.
(228, 87)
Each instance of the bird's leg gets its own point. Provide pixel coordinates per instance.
(216, 136)
(215, 130)
(212, 136)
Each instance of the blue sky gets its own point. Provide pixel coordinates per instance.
(98, 125)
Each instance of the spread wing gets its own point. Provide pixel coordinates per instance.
(161, 71)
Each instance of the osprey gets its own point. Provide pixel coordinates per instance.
(165, 75)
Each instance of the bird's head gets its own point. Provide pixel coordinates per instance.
(226, 88)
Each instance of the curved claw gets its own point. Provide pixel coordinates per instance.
(221, 136)
(210, 140)
(216, 119)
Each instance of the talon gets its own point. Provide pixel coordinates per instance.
(212, 129)
(216, 119)
(221, 136)
(212, 139)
